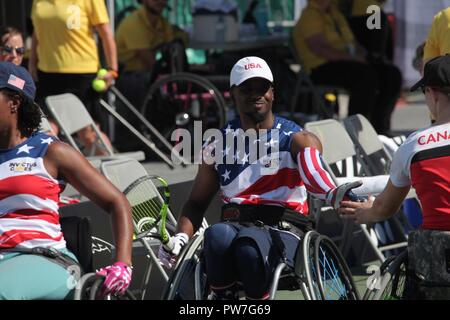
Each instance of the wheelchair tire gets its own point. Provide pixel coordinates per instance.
(177, 100)
(390, 283)
(307, 262)
(335, 281)
(184, 273)
(90, 285)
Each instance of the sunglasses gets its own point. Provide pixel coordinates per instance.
(424, 89)
(9, 50)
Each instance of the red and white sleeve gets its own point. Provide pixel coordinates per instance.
(317, 180)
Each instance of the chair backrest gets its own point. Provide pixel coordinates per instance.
(368, 144)
(336, 143)
(78, 235)
(71, 116)
(44, 126)
(122, 172)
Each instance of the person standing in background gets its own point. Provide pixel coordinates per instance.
(64, 56)
(141, 32)
(138, 37)
(438, 40)
(377, 41)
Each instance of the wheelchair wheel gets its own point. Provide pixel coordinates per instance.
(307, 262)
(328, 275)
(89, 286)
(176, 101)
(390, 284)
(187, 281)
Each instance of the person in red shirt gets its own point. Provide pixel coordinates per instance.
(421, 162)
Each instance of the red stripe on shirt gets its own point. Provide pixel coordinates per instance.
(29, 184)
(313, 185)
(285, 177)
(315, 157)
(12, 238)
(431, 179)
(30, 214)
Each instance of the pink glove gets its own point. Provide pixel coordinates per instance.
(117, 278)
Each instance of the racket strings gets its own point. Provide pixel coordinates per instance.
(146, 206)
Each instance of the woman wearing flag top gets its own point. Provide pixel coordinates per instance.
(34, 168)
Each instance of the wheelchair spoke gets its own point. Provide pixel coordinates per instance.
(332, 272)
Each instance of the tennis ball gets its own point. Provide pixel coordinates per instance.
(331, 97)
(101, 73)
(99, 85)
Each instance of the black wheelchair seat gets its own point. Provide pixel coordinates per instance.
(78, 235)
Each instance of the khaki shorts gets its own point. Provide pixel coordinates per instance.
(429, 264)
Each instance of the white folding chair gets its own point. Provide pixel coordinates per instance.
(71, 116)
(122, 173)
(337, 148)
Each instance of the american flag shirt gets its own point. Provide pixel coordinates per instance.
(29, 197)
(273, 178)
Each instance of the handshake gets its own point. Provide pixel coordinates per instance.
(169, 252)
(344, 192)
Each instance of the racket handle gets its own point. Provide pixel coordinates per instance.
(170, 244)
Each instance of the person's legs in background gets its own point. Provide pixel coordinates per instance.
(134, 86)
(390, 83)
(360, 79)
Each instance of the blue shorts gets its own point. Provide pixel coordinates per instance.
(30, 277)
(235, 252)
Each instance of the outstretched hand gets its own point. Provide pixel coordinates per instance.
(343, 192)
(356, 210)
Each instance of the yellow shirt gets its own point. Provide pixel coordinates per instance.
(314, 21)
(359, 7)
(135, 32)
(438, 41)
(64, 30)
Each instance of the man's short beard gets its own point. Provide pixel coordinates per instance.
(256, 117)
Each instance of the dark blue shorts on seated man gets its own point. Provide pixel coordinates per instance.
(246, 247)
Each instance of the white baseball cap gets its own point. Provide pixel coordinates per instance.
(250, 67)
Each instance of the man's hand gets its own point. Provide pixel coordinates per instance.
(168, 253)
(343, 192)
(358, 211)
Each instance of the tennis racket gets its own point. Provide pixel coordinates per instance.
(149, 199)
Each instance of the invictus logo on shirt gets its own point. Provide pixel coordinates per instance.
(21, 166)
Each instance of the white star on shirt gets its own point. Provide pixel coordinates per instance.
(25, 148)
(227, 150)
(236, 156)
(226, 175)
(47, 141)
(288, 133)
(228, 129)
(244, 159)
(271, 143)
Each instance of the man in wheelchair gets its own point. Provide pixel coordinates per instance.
(34, 168)
(421, 162)
(247, 245)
